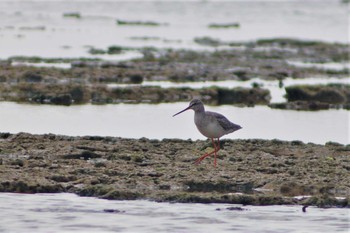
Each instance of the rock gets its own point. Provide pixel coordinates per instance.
(78, 95)
(114, 49)
(83, 155)
(95, 51)
(63, 178)
(207, 41)
(242, 73)
(233, 208)
(38, 186)
(3, 79)
(332, 93)
(209, 186)
(72, 15)
(224, 25)
(138, 23)
(32, 77)
(80, 64)
(247, 96)
(301, 105)
(316, 97)
(17, 162)
(114, 211)
(65, 99)
(136, 78)
(5, 135)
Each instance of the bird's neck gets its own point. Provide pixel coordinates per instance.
(199, 111)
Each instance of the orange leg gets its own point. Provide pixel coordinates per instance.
(216, 149)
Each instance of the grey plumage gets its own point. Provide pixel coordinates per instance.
(224, 122)
(211, 124)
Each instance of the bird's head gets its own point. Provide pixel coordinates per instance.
(195, 104)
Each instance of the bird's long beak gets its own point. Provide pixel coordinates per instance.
(189, 107)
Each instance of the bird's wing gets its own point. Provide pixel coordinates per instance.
(223, 121)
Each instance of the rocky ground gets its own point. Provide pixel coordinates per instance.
(257, 172)
(86, 81)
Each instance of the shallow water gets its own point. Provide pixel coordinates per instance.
(70, 213)
(30, 27)
(156, 121)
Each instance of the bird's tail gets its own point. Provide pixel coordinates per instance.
(236, 127)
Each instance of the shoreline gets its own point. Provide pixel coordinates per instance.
(251, 172)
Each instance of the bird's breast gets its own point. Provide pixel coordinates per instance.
(208, 127)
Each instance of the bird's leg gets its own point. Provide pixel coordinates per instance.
(206, 155)
(216, 149)
(203, 157)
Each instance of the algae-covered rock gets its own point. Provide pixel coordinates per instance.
(316, 97)
(301, 105)
(212, 95)
(64, 99)
(76, 15)
(138, 23)
(331, 93)
(163, 170)
(34, 185)
(224, 25)
(32, 77)
(114, 49)
(267, 59)
(3, 79)
(208, 41)
(248, 96)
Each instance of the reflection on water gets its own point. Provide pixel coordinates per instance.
(70, 213)
(156, 121)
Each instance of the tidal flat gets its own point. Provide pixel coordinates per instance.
(88, 80)
(87, 138)
(250, 172)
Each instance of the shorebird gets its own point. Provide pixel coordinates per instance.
(213, 125)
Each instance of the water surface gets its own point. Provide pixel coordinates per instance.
(156, 121)
(70, 213)
(38, 28)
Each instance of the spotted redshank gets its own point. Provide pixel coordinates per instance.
(213, 125)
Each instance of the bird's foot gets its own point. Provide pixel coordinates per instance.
(200, 159)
